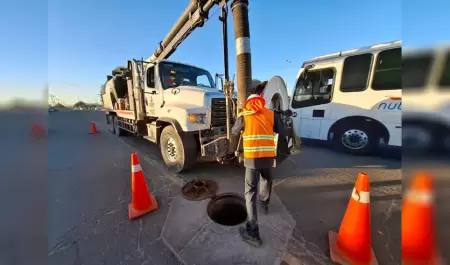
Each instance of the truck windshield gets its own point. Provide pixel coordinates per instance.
(175, 74)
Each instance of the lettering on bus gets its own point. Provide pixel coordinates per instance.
(390, 106)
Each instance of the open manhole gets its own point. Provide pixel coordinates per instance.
(197, 190)
(227, 209)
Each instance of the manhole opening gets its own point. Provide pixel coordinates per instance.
(227, 209)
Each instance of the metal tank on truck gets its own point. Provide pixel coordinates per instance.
(179, 106)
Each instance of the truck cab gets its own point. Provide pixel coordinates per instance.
(185, 93)
(173, 104)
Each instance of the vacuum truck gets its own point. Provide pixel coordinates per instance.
(180, 106)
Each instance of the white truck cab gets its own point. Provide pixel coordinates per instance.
(173, 104)
(185, 93)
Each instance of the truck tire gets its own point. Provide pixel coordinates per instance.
(356, 139)
(179, 152)
(110, 122)
(116, 129)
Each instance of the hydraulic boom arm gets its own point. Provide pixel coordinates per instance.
(193, 17)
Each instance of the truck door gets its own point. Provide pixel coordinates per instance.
(313, 91)
(152, 93)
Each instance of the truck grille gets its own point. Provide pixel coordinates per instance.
(219, 112)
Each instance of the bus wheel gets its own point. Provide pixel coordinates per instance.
(419, 138)
(355, 139)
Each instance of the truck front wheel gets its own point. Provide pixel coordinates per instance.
(179, 152)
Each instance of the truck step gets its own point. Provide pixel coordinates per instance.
(151, 132)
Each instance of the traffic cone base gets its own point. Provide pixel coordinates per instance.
(337, 258)
(134, 214)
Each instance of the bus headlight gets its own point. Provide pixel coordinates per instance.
(197, 118)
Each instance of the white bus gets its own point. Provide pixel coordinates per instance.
(426, 115)
(351, 98)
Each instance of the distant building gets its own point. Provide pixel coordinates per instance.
(85, 106)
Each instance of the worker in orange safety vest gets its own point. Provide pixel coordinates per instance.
(258, 125)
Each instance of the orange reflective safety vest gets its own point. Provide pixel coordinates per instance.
(258, 135)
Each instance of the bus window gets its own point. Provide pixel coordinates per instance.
(388, 70)
(445, 78)
(415, 71)
(314, 89)
(356, 73)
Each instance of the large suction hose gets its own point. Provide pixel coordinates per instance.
(239, 9)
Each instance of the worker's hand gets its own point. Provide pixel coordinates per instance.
(229, 156)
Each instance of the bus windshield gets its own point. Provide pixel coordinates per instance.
(176, 74)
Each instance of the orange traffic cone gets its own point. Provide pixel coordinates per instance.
(37, 130)
(418, 223)
(142, 201)
(93, 128)
(352, 245)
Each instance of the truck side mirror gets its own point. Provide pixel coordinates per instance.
(219, 77)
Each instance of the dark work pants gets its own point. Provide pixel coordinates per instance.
(252, 179)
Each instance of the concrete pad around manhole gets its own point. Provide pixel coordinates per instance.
(278, 218)
(183, 222)
(216, 244)
(191, 234)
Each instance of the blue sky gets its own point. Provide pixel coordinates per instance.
(73, 45)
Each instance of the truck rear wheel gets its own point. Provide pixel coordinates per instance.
(110, 121)
(179, 152)
(116, 129)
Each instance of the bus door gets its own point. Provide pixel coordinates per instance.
(313, 92)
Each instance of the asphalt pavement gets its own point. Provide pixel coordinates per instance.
(23, 202)
(89, 190)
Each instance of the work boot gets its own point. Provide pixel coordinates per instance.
(250, 236)
(264, 207)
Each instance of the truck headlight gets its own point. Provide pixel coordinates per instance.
(197, 118)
